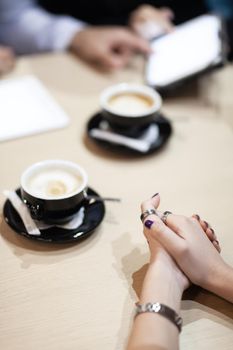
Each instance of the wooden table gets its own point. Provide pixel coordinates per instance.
(82, 296)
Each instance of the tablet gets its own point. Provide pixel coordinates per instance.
(193, 47)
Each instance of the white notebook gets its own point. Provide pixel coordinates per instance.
(27, 108)
(191, 48)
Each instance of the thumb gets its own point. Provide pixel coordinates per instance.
(152, 203)
(155, 228)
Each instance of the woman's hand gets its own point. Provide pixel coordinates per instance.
(7, 59)
(188, 243)
(165, 281)
(149, 22)
(158, 253)
(160, 257)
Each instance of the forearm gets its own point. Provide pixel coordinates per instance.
(152, 331)
(222, 282)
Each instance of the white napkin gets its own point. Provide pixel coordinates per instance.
(75, 222)
(33, 227)
(141, 144)
(23, 212)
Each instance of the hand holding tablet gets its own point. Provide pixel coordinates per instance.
(190, 49)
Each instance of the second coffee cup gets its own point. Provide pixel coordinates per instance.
(127, 106)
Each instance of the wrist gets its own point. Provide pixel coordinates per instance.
(220, 280)
(74, 42)
(161, 285)
(79, 39)
(168, 270)
(169, 275)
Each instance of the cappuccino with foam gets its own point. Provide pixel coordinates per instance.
(53, 190)
(129, 106)
(54, 183)
(130, 103)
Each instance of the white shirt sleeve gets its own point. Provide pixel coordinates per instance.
(27, 28)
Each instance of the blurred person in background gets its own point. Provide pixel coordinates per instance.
(30, 28)
(103, 32)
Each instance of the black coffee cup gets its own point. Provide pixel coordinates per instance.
(130, 107)
(53, 190)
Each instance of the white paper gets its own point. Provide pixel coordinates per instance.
(192, 47)
(27, 108)
(72, 224)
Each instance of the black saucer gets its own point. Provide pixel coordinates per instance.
(164, 126)
(93, 215)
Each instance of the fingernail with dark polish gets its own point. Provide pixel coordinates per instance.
(212, 230)
(148, 223)
(198, 217)
(156, 194)
(206, 223)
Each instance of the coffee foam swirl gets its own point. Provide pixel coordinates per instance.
(130, 103)
(54, 183)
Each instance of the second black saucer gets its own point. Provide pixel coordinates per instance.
(164, 132)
